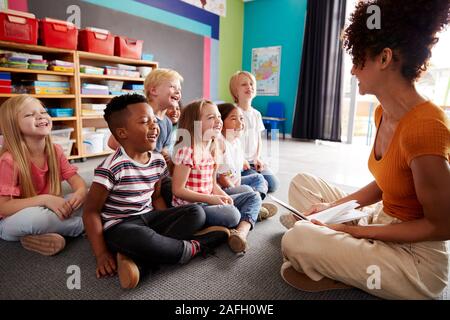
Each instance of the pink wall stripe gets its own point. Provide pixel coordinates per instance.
(20, 5)
(206, 67)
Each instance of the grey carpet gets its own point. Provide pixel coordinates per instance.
(254, 275)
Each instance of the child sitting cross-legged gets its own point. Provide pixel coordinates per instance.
(124, 212)
(194, 178)
(229, 171)
(32, 208)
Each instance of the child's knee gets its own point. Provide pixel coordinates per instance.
(197, 214)
(272, 183)
(233, 217)
(245, 188)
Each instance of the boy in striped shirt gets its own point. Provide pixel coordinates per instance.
(125, 213)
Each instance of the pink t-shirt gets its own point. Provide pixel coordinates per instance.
(9, 180)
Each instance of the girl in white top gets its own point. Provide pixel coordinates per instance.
(232, 162)
(243, 90)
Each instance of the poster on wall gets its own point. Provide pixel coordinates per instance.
(218, 7)
(266, 63)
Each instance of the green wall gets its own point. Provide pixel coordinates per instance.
(230, 47)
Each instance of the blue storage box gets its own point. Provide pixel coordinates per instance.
(60, 112)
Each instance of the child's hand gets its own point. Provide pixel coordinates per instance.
(106, 265)
(246, 165)
(220, 200)
(59, 206)
(259, 165)
(77, 199)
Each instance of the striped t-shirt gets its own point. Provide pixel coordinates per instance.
(130, 185)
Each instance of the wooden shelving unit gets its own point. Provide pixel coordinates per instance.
(70, 74)
(75, 99)
(40, 96)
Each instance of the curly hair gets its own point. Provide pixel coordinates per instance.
(408, 28)
(115, 112)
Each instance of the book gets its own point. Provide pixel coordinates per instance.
(342, 213)
(46, 84)
(51, 77)
(47, 90)
(93, 106)
(61, 69)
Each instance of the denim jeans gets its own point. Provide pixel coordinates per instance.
(272, 181)
(246, 208)
(40, 220)
(156, 237)
(257, 182)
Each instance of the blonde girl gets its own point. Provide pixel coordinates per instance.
(32, 209)
(194, 177)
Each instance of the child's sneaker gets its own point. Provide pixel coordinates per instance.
(288, 220)
(237, 242)
(267, 210)
(47, 244)
(210, 238)
(128, 272)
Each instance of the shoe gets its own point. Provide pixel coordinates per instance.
(302, 282)
(128, 272)
(267, 210)
(210, 238)
(237, 242)
(47, 244)
(287, 220)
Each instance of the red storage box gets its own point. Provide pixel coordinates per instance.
(128, 48)
(96, 40)
(17, 26)
(58, 34)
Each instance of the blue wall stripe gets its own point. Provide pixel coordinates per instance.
(155, 14)
(189, 11)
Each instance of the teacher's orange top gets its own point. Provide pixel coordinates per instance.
(424, 130)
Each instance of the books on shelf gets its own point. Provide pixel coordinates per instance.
(61, 69)
(47, 90)
(91, 70)
(61, 63)
(88, 113)
(342, 213)
(93, 109)
(93, 106)
(47, 84)
(90, 88)
(51, 77)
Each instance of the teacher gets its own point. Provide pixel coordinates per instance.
(399, 251)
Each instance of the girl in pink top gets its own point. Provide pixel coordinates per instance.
(32, 209)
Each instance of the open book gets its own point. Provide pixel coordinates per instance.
(344, 212)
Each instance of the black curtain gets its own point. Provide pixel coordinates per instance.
(318, 108)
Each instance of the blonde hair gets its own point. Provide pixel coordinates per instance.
(14, 143)
(234, 83)
(158, 76)
(191, 114)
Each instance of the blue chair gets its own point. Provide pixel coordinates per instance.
(274, 118)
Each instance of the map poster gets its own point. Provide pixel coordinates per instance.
(218, 7)
(266, 63)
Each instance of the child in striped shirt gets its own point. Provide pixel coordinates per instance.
(125, 213)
